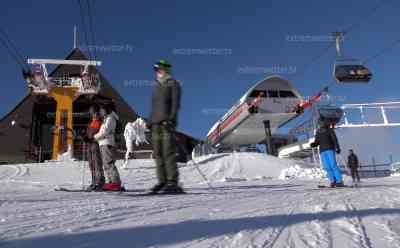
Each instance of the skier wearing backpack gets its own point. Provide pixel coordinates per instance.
(106, 139)
(93, 151)
(163, 121)
(328, 144)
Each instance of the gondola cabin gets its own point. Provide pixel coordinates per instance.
(351, 72)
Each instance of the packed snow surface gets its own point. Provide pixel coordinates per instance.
(247, 206)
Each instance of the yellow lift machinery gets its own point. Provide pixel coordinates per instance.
(64, 90)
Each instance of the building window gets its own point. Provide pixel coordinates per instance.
(286, 94)
(273, 94)
(256, 93)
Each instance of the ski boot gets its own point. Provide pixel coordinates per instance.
(98, 187)
(91, 187)
(115, 186)
(156, 188)
(340, 185)
(172, 188)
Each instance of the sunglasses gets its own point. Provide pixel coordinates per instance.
(158, 69)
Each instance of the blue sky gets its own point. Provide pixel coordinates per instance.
(132, 35)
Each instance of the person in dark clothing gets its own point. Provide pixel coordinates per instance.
(93, 150)
(328, 144)
(353, 164)
(163, 121)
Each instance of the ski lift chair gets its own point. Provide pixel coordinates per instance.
(351, 71)
(36, 79)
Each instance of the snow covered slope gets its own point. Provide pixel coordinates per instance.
(247, 207)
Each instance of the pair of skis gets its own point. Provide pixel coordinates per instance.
(328, 187)
(353, 185)
(138, 192)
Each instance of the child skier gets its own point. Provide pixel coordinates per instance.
(106, 140)
(135, 133)
(93, 150)
(328, 144)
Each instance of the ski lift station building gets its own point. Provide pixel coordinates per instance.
(27, 131)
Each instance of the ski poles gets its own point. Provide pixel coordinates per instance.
(202, 175)
(344, 164)
(83, 163)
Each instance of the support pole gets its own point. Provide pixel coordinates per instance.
(268, 137)
(362, 115)
(63, 136)
(40, 154)
(384, 116)
(75, 36)
(346, 121)
(338, 39)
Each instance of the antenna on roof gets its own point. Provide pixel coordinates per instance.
(75, 36)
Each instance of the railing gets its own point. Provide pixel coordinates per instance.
(40, 83)
(80, 151)
(368, 171)
(381, 107)
(37, 153)
(304, 128)
(86, 84)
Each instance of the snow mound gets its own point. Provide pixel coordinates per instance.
(297, 172)
(235, 167)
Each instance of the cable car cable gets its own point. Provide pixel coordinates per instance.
(9, 50)
(13, 50)
(372, 12)
(13, 46)
(382, 51)
(316, 58)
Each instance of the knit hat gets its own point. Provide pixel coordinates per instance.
(163, 64)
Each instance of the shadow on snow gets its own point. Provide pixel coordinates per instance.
(169, 234)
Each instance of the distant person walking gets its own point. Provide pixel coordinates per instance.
(106, 139)
(93, 151)
(163, 121)
(353, 164)
(328, 144)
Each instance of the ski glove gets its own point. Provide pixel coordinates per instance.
(338, 151)
(149, 125)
